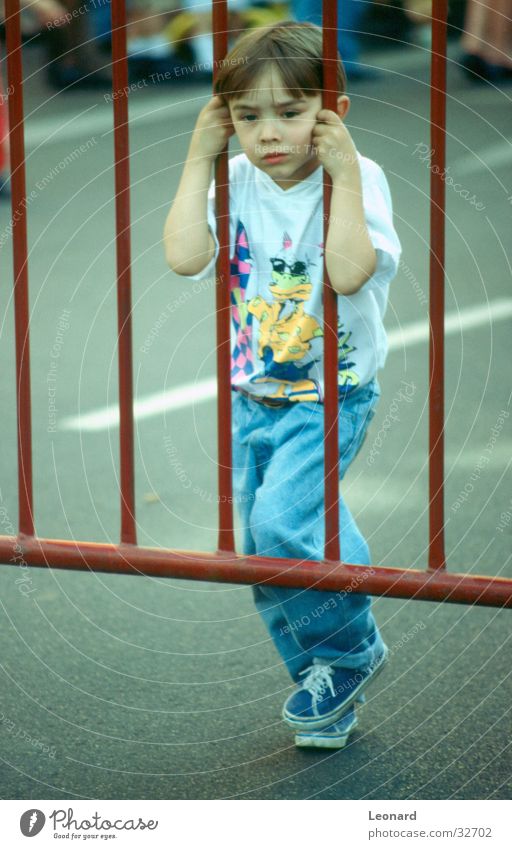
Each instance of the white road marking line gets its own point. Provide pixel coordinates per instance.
(143, 408)
(465, 319)
(206, 389)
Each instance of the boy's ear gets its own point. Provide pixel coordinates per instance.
(343, 105)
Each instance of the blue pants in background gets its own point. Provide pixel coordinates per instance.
(350, 14)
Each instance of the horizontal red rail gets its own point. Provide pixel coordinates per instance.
(432, 585)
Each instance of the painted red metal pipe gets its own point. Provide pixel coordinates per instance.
(226, 539)
(330, 304)
(436, 557)
(20, 262)
(123, 253)
(430, 585)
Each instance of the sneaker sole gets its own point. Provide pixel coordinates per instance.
(319, 722)
(317, 740)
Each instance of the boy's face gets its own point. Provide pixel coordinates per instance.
(267, 120)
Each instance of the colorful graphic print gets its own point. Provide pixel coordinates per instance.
(286, 330)
(242, 363)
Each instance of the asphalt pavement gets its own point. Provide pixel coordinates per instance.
(131, 687)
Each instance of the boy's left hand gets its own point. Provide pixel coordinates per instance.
(334, 146)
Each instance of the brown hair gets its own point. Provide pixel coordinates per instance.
(294, 47)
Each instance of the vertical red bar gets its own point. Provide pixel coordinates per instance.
(123, 250)
(436, 558)
(331, 463)
(226, 535)
(20, 262)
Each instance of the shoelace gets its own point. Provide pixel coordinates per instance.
(318, 679)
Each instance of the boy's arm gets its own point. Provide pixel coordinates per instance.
(349, 254)
(361, 244)
(188, 243)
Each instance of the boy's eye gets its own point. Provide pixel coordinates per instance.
(247, 117)
(290, 113)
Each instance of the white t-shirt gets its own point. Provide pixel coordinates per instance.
(276, 273)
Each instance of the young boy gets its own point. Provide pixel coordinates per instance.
(268, 92)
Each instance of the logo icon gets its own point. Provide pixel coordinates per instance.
(31, 822)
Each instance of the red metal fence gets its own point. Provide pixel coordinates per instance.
(435, 583)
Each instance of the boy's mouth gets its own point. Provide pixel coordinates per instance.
(274, 157)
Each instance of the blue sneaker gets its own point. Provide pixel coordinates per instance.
(335, 736)
(326, 693)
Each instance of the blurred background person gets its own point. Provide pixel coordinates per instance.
(487, 41)
(64, 27)
(419, 14)
(46, 12)
(73, 56)
(190, 30)
(350, 17)
(168, 35)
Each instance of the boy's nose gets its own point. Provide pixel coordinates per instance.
(268, 130)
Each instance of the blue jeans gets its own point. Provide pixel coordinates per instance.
(278, 482)
(350, 14)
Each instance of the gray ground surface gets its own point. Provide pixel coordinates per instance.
(125, 687)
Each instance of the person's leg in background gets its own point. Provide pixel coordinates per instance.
(487, 42)
(73, 59)
(350, 16)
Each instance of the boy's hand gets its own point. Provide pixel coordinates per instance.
(334, 146)
(213, 129)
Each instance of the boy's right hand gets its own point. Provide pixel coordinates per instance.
(213, 129)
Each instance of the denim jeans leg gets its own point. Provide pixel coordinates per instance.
(248, 471)
(286, 520)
